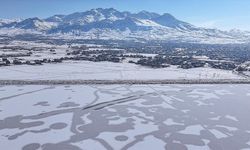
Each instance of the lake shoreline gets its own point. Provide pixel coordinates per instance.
(110, 82)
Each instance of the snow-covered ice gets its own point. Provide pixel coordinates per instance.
(76, 117)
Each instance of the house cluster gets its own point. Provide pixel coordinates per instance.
(181, 57)
(185, 62)
(243, 67)
(20, 61)
(93, 55)
(96, 55)
(4, 62)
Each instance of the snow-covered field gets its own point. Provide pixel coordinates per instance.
(90, 117)
(86, 70)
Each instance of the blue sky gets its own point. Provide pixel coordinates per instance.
(223, 14)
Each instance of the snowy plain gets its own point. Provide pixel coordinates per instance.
(86, 70)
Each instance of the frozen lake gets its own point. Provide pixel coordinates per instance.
(136, 117)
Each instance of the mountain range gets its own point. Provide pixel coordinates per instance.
(112, 24)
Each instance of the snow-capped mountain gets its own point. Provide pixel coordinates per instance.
(31, 23)
(112, 24)
(7, 21)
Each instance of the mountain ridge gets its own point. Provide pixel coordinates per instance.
(110, 23)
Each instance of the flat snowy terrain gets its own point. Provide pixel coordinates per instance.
(175, 117)
(86, 70)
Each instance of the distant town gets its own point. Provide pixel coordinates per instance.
(152, 54)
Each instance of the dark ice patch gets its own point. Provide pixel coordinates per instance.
(32, 146)
(58, 126)
(68, 104)
(121, 138)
